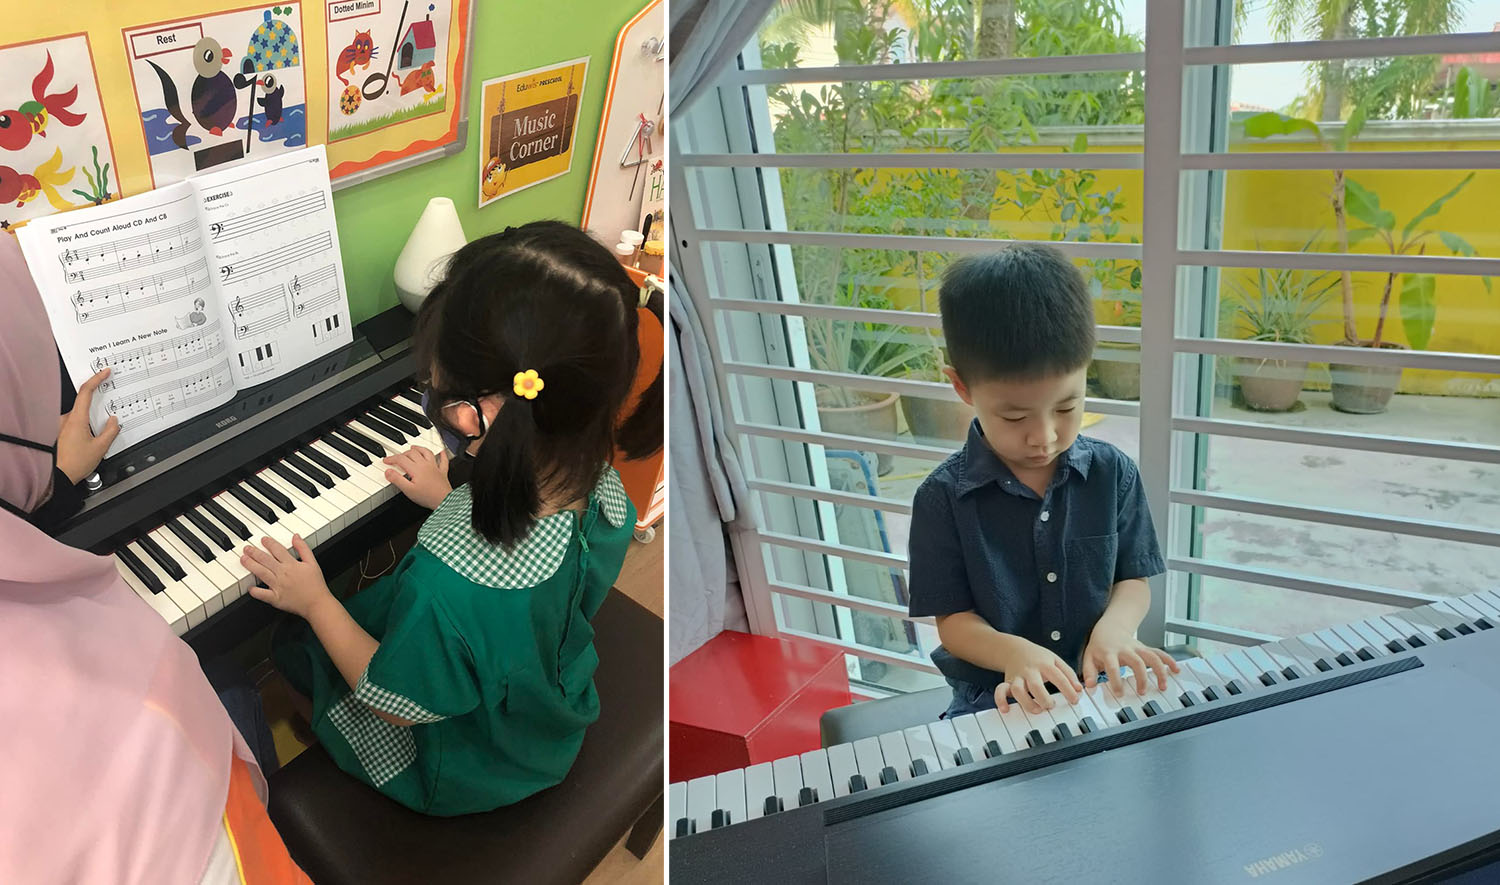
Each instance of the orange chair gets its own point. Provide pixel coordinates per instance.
(644, 478)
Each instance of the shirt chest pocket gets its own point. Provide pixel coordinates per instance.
(1089, 568)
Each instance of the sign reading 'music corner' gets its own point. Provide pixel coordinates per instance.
(529, 121)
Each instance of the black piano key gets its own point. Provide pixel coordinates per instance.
(1061, 731)
(390, 417)
(888, 776)
(1151, 708)
(347, 449)
(1445, 633)
(295, 479)
(163, 559)
(1233, 687)
(1268, 678)
(720, 818)
(1186, 699)
(253, 504)
(1416, 641)
(686, 826)
(412, 394)
(1291, 672)
(324, 462)
(270, 493)
(1465, 629)
(1343, 659)
(1126, 715)
(1395, 646)
(1484, 624)
(209, 530)
(1087, 725)
(369, 420)
(1210, 693)
(991, 749)
(355, 438)
(857, 783)
(1034, 738)
(963, 756)
(133, 562)
(806, 796)
(773, 805)
(918, 767)
(230, 521)
(1322, 665)
(1366, 654)
(415, 416)
(175, 526)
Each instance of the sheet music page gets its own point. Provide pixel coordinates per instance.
(273, 247)
(127, 285)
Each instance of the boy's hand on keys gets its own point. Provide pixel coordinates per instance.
(420, 475)
(1027, 673)
(1111, 648)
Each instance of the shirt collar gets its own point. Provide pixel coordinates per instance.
(982, 466)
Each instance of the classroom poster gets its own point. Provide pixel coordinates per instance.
(529, 123)
(55, 151)
(216, 90)
(387, 63)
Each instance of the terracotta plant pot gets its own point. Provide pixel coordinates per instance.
(937, 419)
(1364, 390)
(876, 419)
(1120, 378)
(1270, 385)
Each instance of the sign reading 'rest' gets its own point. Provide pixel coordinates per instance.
(530, 119)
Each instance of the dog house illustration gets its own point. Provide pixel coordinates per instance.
(419, 46)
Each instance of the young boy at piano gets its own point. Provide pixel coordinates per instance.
(1031, 545)
(464, 680)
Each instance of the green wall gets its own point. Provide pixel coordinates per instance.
(375, 218)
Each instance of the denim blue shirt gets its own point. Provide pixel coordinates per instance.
(1038, 567)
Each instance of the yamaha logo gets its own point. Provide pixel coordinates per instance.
(1277, 862)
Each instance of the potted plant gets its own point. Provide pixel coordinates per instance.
(929, 418)
(1282, 306)
(1120, 378)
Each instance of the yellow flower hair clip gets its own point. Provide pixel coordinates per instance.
(528, 384)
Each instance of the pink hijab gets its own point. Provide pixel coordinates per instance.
(115, 751)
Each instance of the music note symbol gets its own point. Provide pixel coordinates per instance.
(296, 285)
(74, 276)
(226, 270)
(69, 256)
(238, 307)
(216, 228)
(78, 299)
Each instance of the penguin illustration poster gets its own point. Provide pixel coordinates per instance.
(55, 151)
(387, 63)
(219, 89)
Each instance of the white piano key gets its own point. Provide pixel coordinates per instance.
(1490, 598)
(1438, 617)
(919, 745)
(259, 528)
(1477, 604)
(225, 585)
(759, 783)
(1337, 642)
(1356, 641)
(729, 788)
(701, 801)
(677, 806)
(893, 747)
(816, 774)
(1409, 624)
(1371, 636)
(970, 735)
(1043, 723)
(390, 447)
(365, 491)
(1383, 631)
(186, 601)
(1464, 609)
(1088, 708)
(870, 759)
(993, 728)
(1226, 673)
(944, 742)
(228, 560)
(1108, 705)
(841, 767)
(1292, 653)
(786, 774)
(159, 602)
(310, 510)
(1016, 725)
(1204, 674)
(1265, 663)
(210, 597)
(1249, 673)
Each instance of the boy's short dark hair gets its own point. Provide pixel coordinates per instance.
(1021, 312)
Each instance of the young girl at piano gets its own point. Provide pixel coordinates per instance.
(464, 680)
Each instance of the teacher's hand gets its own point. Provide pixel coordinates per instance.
(79, 451)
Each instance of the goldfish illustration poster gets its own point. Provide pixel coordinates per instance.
(529, 121)
(55, 151)
(387, 63)
(215, 90)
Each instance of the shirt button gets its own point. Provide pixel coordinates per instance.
(1046, 515)
(1052, 577)
(1056, 635)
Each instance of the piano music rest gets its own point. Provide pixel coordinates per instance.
(341, 832)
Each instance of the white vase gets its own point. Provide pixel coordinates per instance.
(438, 234)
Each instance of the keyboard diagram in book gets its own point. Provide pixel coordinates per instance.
(327, 328)
(260, 359)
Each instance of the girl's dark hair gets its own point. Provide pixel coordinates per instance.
(544, 296)
(641, 434)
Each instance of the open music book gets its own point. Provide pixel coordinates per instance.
(194, 291)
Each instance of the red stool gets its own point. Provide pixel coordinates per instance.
(743, 699)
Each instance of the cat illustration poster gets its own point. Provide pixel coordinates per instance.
(55, 151)
(219, 89)
(529, 121)
(387, 63)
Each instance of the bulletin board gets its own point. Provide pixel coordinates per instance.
(626, 184)
(109, 98)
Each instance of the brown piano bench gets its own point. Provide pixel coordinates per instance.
(341, 831)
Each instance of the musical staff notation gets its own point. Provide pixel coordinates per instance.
(132, 366)
(109, 257)
(90, 305)
(249, 303)
(264, 219)
(311, 291)
(170, 396)
(279, 257)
